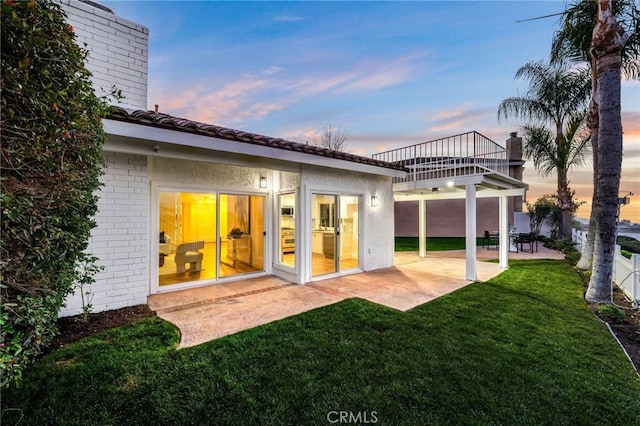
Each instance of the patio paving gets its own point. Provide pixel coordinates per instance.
(206, 313)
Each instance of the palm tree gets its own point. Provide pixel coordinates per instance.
(555, 97)
(607, 43)
(550, 154)
(572, 44)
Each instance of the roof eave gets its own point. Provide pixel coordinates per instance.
(142, 139)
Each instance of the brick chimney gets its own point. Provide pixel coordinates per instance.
(516, 166)
(118, 50)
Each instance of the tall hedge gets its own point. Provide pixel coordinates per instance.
(51, 162)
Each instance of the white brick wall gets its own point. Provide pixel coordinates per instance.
(120, 240)
(118, 51)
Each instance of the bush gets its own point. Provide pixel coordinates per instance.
(612, 312)
(626, 254)
(51, 151)
(573, 257)
(628, 244)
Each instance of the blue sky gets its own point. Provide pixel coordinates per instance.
(390, 73)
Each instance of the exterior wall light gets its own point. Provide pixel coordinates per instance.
(374, 201)
(263, 182)
(450, 184)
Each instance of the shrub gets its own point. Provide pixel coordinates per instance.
(612, 312)
(573, 257)
(626, 254)
(52, 140)
(629, 244)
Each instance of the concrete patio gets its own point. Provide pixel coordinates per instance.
(206, 313)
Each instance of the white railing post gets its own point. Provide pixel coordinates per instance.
(635, 279)
(617, 260)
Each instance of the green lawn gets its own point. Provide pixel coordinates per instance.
(433, 243)
(521, 349)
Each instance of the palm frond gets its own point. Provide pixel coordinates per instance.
(539, 147)
(573, 41)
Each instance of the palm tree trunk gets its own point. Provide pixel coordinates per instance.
(606, 47)
(586, 259)
(565, 204)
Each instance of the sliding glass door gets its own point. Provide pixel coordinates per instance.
(334, 235)
(241, 234)
(206, 236)
(348, 232)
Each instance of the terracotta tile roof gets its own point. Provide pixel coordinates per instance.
(169, 122)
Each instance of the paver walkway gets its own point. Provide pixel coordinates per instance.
(206, 313)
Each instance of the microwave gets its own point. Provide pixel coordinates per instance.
(286, 211)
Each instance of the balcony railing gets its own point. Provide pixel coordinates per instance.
(461, 155)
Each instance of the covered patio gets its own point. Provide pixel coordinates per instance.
(468, 166)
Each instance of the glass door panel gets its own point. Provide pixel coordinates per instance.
(241, 234)
(348, 232)
(286, 238)
(324, 234)
(187, 240)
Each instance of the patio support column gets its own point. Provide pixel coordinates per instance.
(422, 227)
(504, 233)
(471, 232)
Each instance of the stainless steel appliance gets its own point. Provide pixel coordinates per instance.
(288, 240)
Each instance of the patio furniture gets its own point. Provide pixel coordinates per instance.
(491, 239)
(527, 238)
(188, 253)
(513, 242)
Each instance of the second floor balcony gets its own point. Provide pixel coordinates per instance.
(454, 156)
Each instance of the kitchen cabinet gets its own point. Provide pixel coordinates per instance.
(346, 245)
(329, 245)
(316, 241)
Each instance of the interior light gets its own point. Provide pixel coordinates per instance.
(263, 182)
(374, 200)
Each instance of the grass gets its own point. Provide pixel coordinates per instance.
(521, 349)
(433, 243)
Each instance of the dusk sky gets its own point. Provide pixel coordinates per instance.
(392, 74)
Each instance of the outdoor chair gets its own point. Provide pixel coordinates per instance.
(490, 239)
(188, 253)
(530, 239)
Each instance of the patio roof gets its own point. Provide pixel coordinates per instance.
(487, 185)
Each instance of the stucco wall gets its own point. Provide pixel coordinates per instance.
(377, 233)
(120, 240)
(289, 180)
(207, 175)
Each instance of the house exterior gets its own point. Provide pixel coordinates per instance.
(188, 204)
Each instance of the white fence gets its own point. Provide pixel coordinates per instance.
(626, 272)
